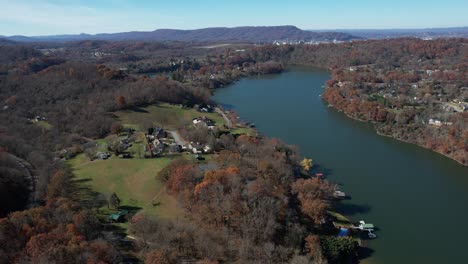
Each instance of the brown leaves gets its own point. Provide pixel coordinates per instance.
(116, 128)
(120, 101)
(314, 195)
(181, 178)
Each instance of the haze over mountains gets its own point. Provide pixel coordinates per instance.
(218, 34)
(425, 33)
(250, 34)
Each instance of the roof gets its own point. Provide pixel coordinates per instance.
(343, 232)
(367, 226)
(117, 215)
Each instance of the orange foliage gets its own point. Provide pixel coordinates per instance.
(120, 101)
(314, 195)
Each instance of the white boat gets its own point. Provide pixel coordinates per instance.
(339, 194)
(371, 235)
(365, 227)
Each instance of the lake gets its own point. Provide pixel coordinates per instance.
(417, 199)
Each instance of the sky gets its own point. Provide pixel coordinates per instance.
(52, 17)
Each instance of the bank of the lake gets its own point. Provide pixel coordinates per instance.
(417, 198)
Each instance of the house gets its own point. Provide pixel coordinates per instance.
(210, 124)
(204, 108)
(434, 122)
(438, 123)
(158, 147)
(126, 156)
(119, 216)
(39, 118)
(157, 132)
(196, 148)
(103, 155)
(175, 148)
(206, 149)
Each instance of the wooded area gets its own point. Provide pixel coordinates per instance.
(254, 204)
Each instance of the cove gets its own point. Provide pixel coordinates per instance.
(418, 199)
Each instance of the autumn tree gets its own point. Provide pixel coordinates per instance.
(313, 248)
(12, 100)
(314, 195)
(59, 184)
(306, 164)
(116, 128)
(157, 257)
(181, 178)
(120, 101)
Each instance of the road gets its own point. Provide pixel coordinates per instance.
(226, 119)
(178, 139)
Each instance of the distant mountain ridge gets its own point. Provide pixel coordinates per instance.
(424, 33)
(215, 34)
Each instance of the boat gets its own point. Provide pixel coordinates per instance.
(371, 235)
(364, 226)
(339, 195)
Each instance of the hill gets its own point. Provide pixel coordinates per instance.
(425, 33)
(5, 41)
(218, 34)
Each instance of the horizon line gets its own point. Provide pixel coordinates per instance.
(192, 29)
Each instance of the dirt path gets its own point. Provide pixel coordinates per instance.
(82, 164)
(177, 138)
(226, 119)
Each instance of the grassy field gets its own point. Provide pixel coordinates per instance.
(78, 160)
(133, 180)
(244, 131)
(340, 220)
(163, 115)
(44, 124)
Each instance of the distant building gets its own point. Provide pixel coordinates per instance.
(119, 216)
(204, 121)
(438, 123)
(103, 155)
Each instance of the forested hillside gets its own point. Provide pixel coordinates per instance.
(254, 200)
(218, 34)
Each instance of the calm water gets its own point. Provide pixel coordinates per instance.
(417, 199)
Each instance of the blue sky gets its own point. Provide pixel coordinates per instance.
(49, 17)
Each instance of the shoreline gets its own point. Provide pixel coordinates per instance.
(408, 142)
(395, 138)
(286, 68)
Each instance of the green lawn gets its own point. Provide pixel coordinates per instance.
(243, 131)
(44, 124)
(340, 220)
(164, 115)
(78, 160)
(133, 180)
